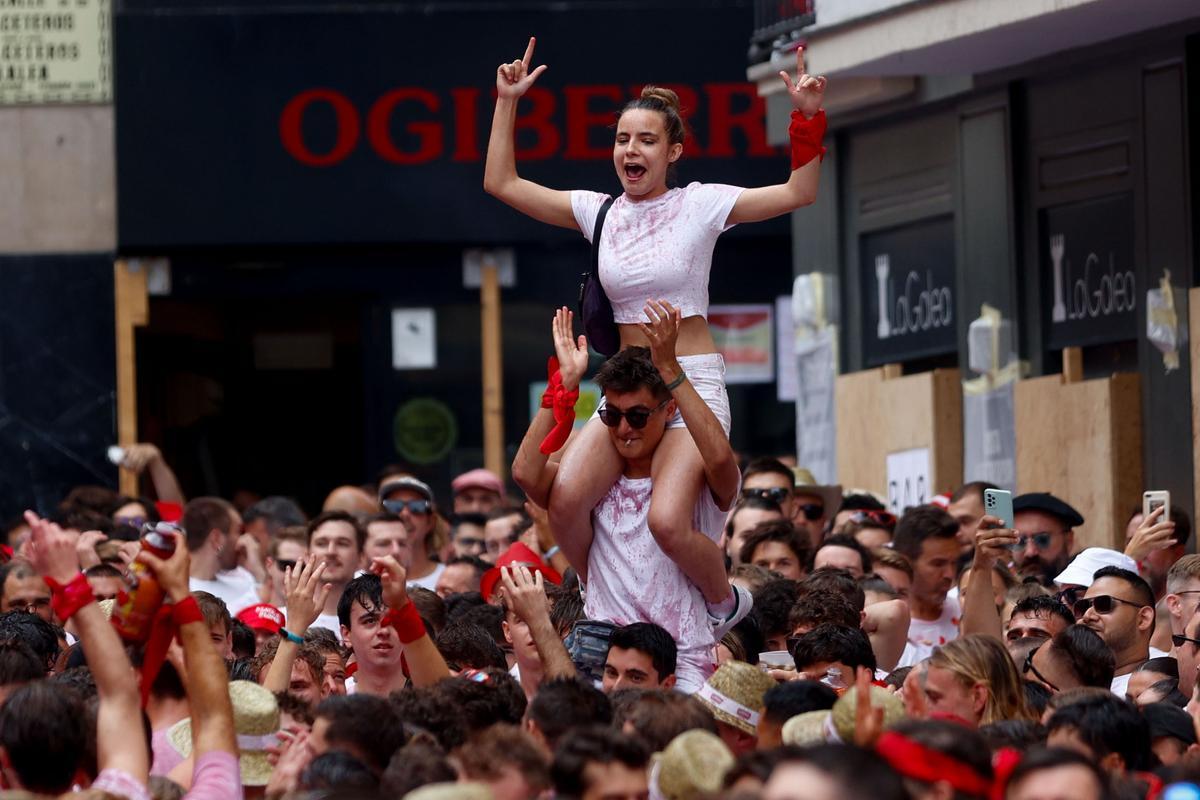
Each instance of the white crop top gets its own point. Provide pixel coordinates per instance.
(657, 249)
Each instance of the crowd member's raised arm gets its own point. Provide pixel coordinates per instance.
(306, 596)
(214, 738)
(886, 625)
(119, 746)
(979, 603)
(147, 458)
(500, 178)
(425, 663)
(525, 593)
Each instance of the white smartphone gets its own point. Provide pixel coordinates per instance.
(1151, 501)
(998, 503)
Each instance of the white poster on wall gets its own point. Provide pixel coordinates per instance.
(908, 479)
(787, 386)
(414, 338)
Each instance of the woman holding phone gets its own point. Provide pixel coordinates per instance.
(656, 244)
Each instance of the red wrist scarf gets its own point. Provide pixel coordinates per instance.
(562, 402)
(806, 136)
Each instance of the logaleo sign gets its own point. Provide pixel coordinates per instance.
(55, 51)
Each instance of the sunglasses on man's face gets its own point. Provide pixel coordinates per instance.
(1104, 604)
(637, 417)
(1041, 541)
(1178, 639)
(414, 506)
(1029, 667)
(812, 511)
(776, 494)
(885, 519)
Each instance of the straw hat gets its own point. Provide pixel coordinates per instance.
(844, 708)
(806, 483)
(693, 765)
(450, 791)
(256, 721)
(806, 728)
(734, 695)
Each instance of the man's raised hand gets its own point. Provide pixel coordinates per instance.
(525, 592)
(572, 352)
(172, 573)
(305, 593)
(514, 79)
(51, 549)
(394, 577)
(662, 332)
(808, 92)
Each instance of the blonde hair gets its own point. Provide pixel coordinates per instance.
(887, 557)
(980, 659)
(1182, 571)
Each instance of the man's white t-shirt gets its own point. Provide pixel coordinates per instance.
(630, 579)
(331, 622)
(1120, 683)
(924, 635)
(235, 587)
(429, 581)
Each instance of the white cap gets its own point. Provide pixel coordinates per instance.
(1081, 570)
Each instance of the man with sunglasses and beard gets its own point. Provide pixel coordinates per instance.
(628, 576)
(771, 479)
(1119, 606)
(1045, 535)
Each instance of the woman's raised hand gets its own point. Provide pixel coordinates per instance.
(808, 92)
(514, 80)
(572, 352)
(662, 332)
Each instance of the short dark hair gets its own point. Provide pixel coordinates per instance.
(476, 562)
(1107, 724)
(417, 764)
(244, 642)
(630, 370)
(277, 512)
(772, 603)
(18, 663)
(360, 532)
(566, 703)
(768, 465)
(481, 704)
(1043, 606)
(467, 518)
(755, 503)
(860, 501)
(776, 530)
(1145, 595)
(918, 524)
(793, 698)
(657, 716)
(1040, 758)
(367, 722)
(41, 636)
(849, 542)
(43, 730)
(831, 579)
(1087, 655)
(467, 646)
(367, 590)
(964, 745)
(341, 774)
(430, 607)
(592, 745)
(859, 774)
(214, 610)
(489, 753)
(819, 606)
(828, 642)
(203, 515)
(651, 639)
(1019, 734)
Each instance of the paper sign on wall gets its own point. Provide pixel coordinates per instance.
(743, 336)
(414, 338)
(908, 479)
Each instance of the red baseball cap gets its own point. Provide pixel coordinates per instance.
(518, 555)
(262, 617)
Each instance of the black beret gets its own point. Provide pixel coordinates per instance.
(1048, 504)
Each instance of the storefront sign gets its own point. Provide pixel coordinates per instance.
(367, 124)
(1089, 288)
(743, 335)
(909, 288)
(55, 51)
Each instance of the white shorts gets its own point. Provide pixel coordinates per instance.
(707, 374)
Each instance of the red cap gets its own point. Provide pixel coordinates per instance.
(262, 617)
(478, 479)
(518, 555)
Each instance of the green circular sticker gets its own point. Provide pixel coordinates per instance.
(424, 430)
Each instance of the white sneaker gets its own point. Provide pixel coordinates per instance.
(743, 602)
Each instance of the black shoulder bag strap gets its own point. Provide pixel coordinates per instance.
(594, 274)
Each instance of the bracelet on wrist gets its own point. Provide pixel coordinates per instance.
(291, 637)
(675, 384)
(551, 553)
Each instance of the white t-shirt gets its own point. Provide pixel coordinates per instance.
(630, 579)
(1120, 683)
(924, 635)
(236, 587)
(429, 581)
(658, 248)
(331, 622)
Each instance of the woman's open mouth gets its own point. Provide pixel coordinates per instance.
(634, 172)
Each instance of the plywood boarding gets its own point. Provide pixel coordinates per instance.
(1082, 441)
(878, 414)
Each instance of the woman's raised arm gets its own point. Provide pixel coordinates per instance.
(500, 177)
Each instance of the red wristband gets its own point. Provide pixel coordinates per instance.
(562, 402)
(806, 135)
(185, 611)
(69, 597)
(406, 621)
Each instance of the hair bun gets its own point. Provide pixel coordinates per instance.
(661, 94)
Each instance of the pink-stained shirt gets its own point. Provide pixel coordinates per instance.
(658, 249)
(121, 784)
(216, 776)
(630, 579)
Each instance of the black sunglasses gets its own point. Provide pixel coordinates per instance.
(415, 506)
(1041, 541)
(776, 494)
(1178, 639)
(813, 511)
(1104, 604)
(637, 417)
(1029, 667)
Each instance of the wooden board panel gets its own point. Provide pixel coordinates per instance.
(1194, 347)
